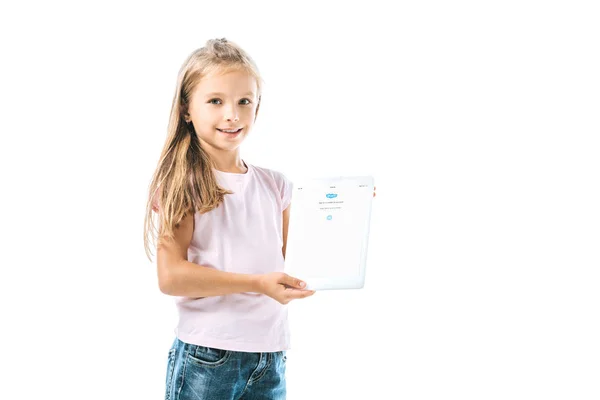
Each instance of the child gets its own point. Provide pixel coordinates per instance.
(222, 236)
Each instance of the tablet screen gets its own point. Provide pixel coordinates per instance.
(328, 232)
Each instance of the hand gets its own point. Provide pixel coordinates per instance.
(282, 287)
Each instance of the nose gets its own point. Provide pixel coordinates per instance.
(231, 114)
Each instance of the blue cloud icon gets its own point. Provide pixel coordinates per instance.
(331, 195)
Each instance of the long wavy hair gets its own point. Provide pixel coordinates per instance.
(184, 181)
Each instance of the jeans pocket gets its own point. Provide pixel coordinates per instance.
(208, 356)
(170, 369)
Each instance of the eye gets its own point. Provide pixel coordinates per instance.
(248, 101)
(211, 101)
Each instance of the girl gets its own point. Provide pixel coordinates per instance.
(222, 236)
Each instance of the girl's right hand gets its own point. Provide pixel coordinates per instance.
(282, 287)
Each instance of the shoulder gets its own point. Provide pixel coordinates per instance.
(279, 182)
(278, 177)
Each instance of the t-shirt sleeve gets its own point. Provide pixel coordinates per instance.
(285, 187)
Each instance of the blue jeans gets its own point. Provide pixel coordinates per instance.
(199, 373)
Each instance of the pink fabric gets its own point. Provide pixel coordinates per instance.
(244, 234)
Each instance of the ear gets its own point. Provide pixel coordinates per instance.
(184, 112)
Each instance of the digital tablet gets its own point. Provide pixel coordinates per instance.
(328, 232)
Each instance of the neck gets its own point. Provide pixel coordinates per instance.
(229, 162)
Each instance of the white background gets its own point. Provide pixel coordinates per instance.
(478, 119)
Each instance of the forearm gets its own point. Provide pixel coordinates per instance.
(188, 279)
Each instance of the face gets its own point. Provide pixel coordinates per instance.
(221, 103)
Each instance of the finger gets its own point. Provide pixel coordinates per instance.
(293, 282)
(296, 291)
(294, 294)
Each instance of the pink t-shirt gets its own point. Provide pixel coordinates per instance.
(244, 234)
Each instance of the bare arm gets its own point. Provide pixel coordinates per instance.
(179, 277)
(286, 223)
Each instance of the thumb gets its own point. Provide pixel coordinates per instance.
(293, 282)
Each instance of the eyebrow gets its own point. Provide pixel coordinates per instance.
(221, 94)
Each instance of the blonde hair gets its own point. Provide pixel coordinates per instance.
(184, 181)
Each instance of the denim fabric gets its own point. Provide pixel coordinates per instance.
(199, 373)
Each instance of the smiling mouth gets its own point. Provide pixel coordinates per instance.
(229, 131)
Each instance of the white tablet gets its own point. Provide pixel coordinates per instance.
(328, 232)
